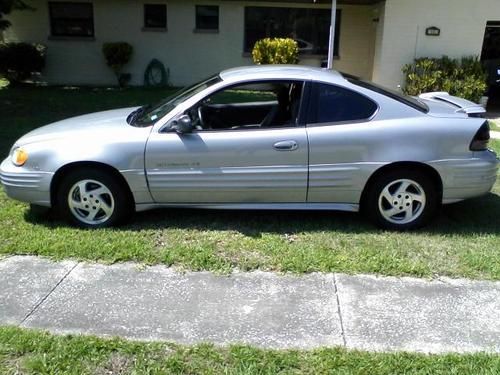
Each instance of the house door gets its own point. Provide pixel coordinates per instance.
(490, 57)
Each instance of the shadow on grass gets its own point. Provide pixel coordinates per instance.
(475, 216)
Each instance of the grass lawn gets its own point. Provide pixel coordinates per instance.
(35, 352)
(495, 125)
(463, 242)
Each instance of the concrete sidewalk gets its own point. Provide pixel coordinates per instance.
(257, 308)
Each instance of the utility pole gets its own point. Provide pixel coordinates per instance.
(331, 45)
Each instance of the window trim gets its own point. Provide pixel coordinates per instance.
(54, 36)
(154, 28)
(301, 116)
(206, 30)
(314, 89)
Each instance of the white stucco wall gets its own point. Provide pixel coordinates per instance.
(402, 32)
(190, 56)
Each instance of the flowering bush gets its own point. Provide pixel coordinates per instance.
(18, 61)
(465, 77)
(275, 51)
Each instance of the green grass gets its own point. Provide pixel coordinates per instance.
(36, 352)
(495, 146)
(495, 125)
(464, 241)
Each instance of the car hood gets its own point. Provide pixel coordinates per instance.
(92, 123)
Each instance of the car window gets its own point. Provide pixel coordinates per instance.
(330, 103)
(151, 113)
(400, 97)
(256, 105)
(244, 94)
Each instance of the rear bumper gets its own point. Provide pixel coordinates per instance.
(468, 178)
(25, 185)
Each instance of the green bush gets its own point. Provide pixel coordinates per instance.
(465, 77)
(118, 55)
(275, 51)
(18, 61)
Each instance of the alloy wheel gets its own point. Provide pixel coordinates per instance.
(402, 201)
(91, 202)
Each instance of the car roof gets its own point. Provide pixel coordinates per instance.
(281, 72)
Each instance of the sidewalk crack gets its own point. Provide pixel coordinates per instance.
(339, 311)
(42, 300)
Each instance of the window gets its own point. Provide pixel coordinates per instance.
(155, 16)
(71, 19)
(309, 27)
(400, 97)
(149, 114)
(256, 105)
(207, 17)
(330, 103)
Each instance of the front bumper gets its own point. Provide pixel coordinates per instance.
(463, 179)
(25, 185)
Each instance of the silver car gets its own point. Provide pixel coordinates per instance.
(270, 137)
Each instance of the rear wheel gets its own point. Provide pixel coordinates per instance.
(91, 198)
(402, 200)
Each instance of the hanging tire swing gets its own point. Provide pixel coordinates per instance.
(156, 75)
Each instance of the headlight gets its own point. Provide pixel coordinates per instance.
(19, 156)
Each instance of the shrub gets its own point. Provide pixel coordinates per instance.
(275, 51)
(118, 55)
(465, 77)
(18, 61)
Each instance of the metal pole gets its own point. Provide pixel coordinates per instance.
(331, 45)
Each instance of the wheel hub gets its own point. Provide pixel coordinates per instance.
(91, 202)
(402, 201)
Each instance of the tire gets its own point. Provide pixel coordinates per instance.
(401, 200)
(93, 198)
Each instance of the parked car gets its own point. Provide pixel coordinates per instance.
(269, 137)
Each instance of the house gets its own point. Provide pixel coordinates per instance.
(195, 38)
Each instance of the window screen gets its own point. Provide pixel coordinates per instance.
(207, 17)
(155, 16)
(309, 27)
(71, 19)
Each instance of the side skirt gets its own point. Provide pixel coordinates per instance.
(255, 206)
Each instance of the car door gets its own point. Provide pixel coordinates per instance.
(339, 132)
(229, 163)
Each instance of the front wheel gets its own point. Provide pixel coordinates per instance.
(91, 198)
(402, 200)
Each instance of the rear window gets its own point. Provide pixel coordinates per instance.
(402, 98)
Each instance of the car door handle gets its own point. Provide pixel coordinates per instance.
(286, 146)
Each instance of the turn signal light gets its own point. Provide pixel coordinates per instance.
(19, 157)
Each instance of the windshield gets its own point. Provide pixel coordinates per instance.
(149, 114)
(400, 97)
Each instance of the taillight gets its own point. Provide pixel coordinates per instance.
(481, 139)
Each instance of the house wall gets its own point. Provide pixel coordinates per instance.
(190, 56)
(401, 32)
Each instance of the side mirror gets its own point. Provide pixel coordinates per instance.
(182, 125)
